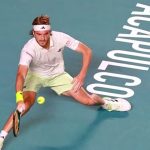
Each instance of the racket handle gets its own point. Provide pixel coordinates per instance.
(21, 108)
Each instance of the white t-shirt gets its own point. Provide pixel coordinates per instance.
(47, 62)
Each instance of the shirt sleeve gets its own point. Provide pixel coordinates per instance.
(26, 56)
(71, 42)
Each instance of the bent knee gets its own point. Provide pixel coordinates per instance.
(29, 99)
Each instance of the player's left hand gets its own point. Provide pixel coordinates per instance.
(78, 82)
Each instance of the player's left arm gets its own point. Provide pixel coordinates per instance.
(86, 59)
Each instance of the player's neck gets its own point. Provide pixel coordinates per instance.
(47, 45)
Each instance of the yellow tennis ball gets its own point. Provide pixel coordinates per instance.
(40, 100)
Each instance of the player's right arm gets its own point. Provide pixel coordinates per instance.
(26, 56)
(21, 74)
(20, 78)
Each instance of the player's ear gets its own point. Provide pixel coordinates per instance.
(33, 33)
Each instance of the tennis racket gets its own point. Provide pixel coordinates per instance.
(16, 122)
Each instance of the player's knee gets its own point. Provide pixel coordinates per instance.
(29, 102)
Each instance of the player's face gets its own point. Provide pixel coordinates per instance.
(42, 37)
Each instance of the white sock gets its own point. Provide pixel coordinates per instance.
(3, 134)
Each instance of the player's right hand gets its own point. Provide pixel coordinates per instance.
(21, 106)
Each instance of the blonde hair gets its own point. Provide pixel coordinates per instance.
(43, 19)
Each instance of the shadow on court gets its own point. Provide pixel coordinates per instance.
(84, 137)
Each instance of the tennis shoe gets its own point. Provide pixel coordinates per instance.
(116, 104)
(1, 142)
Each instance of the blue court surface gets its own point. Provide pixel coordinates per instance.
(118, 31)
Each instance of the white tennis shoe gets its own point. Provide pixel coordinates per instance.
(1, 142)
(116, 104)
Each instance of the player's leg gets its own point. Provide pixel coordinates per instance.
(107, 103)
(29, 99)
(62, 84)
(85, 98)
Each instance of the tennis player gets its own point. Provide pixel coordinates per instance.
(42, 65)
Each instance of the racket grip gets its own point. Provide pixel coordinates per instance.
(21, 108)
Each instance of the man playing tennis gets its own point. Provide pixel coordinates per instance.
(41, 65)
